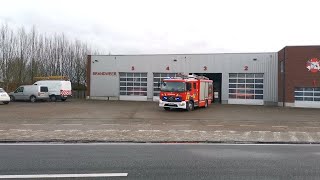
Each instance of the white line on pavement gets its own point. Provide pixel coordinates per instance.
(149, 130)
(310, 127)
(276, 136)
(246, 135)
(71, 124)
(31, 124)
(63, 175)
(110, 124)
(293, 136)
(20, 130)
(279, 126)
(188, 130)
(262, 135)
(142, 124)
(180, 125)
(307, 135)
(215, 125)
(247, 125)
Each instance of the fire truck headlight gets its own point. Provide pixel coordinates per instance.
(182, 104)
(164, 98)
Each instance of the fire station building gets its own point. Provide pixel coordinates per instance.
(289, 77)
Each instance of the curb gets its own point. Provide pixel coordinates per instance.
(150, 142)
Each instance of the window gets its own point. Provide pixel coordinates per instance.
(133, 84)
(246, 86)
(19, 89)
(194, 86)
(307, 94)
(43, 89)
(157, 79)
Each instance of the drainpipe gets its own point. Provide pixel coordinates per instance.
(284, 79)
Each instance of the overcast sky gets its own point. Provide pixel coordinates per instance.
(172, 26)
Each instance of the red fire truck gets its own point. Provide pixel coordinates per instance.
(186, 92)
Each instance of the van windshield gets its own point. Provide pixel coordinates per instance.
(43, 89)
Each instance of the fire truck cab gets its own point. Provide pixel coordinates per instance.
(186, 92)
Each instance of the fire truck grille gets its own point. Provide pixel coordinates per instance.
(173, 99)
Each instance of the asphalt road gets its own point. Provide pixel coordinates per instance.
(164, 161)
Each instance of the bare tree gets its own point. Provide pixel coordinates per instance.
(27, 54)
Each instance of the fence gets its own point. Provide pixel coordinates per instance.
(79, 94)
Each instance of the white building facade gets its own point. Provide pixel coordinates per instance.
(239, 78)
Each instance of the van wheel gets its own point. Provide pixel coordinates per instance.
(63, 99)
(6, 102)
(53, 98)
(33, 99)
(12, 98)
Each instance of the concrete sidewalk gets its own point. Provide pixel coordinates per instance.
(84, 121)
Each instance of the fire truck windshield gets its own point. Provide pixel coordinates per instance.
(173, 86)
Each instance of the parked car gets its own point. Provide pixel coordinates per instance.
(30, 93)
(58, 89)
(4, 97)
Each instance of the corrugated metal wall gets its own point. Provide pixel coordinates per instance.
(186, 63)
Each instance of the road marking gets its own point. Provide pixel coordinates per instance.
(110, 124)
(143, 124)
(2, 130)
(215, 125)
(307, 135)
(149, 130)
(246, 135)
(31, 124)
(188, 131)
(20, 130)
(71, 124)
(262, 135)
(217, 131)
(58, 130)
(310, 127)
(279, 126)
(247, 125)
(63, 175)
(276, 136)
(180, 125)
(293, 136)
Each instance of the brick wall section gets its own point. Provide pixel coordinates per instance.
(297, 75)
(88, 75)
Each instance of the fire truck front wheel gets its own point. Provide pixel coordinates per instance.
(190, 106)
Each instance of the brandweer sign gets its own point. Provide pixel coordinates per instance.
(104, 73)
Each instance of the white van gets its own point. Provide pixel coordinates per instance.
(30, 93)
(58, 89)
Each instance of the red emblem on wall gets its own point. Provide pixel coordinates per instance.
(168, 68)
(205, 68)
(132, 68)
(313, 65)
(246, 68)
